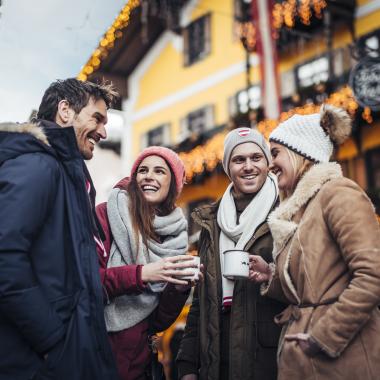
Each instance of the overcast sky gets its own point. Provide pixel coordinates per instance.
(44, 40)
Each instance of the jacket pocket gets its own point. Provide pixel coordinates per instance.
(65, 306)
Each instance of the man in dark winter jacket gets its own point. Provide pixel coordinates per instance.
(230, 332)
(51, 305)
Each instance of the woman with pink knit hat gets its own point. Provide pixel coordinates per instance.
(144, 257)
(326, 256)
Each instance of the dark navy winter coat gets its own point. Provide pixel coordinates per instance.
(50, 292)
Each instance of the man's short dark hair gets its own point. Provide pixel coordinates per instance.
(77, 93)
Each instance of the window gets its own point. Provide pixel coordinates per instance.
(371, 43)
(197, 122)
(252, 97)
(342, 61)
(314, 72)
(239, 103)
(157, 136)
(243, 10)
(197, 40)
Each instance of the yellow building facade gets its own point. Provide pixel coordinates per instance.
(163, 89)
(171, 97)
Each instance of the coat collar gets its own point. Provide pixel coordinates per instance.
(280, 221)
(32, 129)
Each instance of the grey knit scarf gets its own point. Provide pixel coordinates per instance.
(127, 310)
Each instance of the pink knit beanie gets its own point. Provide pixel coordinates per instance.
(172, 159)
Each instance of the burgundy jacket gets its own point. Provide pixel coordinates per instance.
(130, 346)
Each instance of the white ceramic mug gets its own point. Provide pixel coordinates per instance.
(236, 264)
(195, 275)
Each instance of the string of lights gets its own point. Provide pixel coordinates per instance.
(206, 157)
(107, 42)
(284, 13)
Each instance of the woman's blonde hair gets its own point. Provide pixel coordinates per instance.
(300, 166)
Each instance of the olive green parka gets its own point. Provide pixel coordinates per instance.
(253, 334)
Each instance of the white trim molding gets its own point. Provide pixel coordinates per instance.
(193, 89)
(368, 8)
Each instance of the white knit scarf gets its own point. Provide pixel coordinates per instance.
(127, 310)
(236, 236)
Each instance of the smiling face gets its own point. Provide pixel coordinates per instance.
(153, 178)
(89, 126)
(282, 167)
(248, 168)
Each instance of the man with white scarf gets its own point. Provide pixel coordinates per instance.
(230, 332)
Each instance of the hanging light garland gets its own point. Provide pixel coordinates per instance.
(344, 98)
(284, 13)
(208, 156)
(108, 40)
(246, 31)
(203, 157)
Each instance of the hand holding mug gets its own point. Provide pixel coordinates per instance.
(194, 279)
(169, 269)
(259, 269)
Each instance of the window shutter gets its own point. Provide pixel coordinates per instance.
(144, 140)
(338, 62)
(166, 140)
(209, 117)
(185, 35)
(207, 35)
(288, 84)
(232, 106)
(183, 129)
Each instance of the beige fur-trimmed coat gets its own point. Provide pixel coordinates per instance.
(327, 255)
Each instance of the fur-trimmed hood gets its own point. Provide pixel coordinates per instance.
(45, 137)
(280, 221)
(31, 128)
(18, 139)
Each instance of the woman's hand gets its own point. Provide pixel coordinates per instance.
(191, 283)
(306, 343)
(168, 269)
(259, 270)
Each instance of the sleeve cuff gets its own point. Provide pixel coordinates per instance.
(139, 282)
(328, 351)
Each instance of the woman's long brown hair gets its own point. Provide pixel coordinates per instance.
(142, 213)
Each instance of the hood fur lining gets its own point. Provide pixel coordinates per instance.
(280, 221)
(32, 129)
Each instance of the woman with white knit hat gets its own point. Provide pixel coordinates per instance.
(326, 256)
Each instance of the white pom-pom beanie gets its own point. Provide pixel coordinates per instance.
(304, 135)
